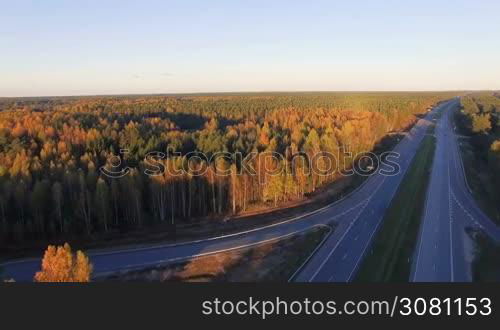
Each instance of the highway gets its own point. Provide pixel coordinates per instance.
(440, 255)
(356, 218)
(340, 257)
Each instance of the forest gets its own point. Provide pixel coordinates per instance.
(51, 150)
(479, 121)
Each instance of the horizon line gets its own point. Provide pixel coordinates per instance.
(249, 92)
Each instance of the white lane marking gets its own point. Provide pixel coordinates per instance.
(171, 260)
(450, 214)
(299, 269)
(339, 241)
(465, 210)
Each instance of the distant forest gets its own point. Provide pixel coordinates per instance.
(51, 150)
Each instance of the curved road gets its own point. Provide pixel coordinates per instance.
(356, 217)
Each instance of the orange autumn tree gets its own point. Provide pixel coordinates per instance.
(59, 264)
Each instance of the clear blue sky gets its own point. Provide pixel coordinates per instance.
(108, 47)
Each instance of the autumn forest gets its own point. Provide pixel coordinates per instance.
(51, 150)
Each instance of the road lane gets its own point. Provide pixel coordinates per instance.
(450, 209)
(434, 248)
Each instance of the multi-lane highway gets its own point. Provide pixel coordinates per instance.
(340, 257)
(357, 218)
(450, 208)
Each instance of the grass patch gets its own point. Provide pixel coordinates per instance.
(392, 250)
(485, 266)
(269, 262)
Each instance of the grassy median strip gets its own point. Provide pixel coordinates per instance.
(274, 261)
(391, 255)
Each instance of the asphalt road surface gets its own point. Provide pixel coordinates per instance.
(441, 254)
(356, 217)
